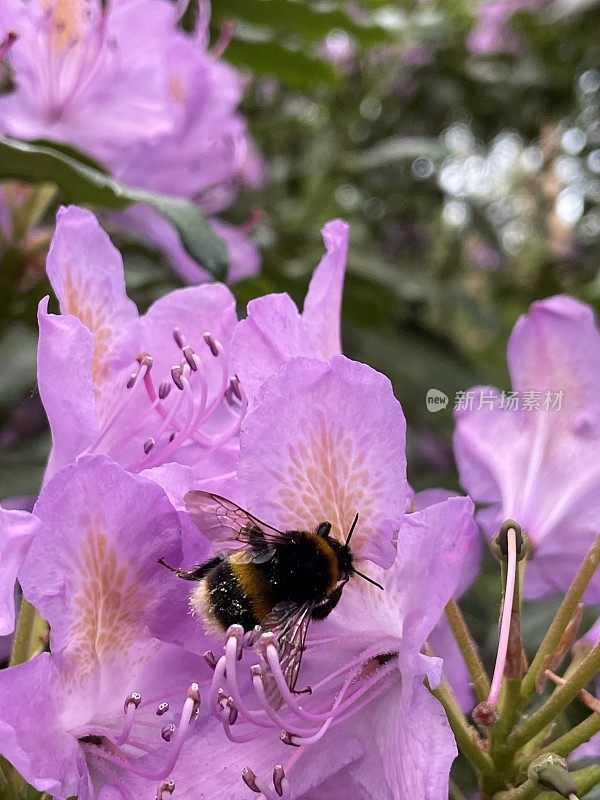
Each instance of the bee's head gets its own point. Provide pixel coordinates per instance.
(344, 553)
(344, 559)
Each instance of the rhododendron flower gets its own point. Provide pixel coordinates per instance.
(326, 441)
(538, 463)
(109, 699)
(89, 73)
(202, 157)
(121, 81)
(274, 330)
(146, 390)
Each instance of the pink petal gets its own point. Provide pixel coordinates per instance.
(326, 442)
(65, 352)
(93, 573)
(274, 330)
(322, 306)
(30, 699)
(434, 547)
(17, 531)
(86, 272)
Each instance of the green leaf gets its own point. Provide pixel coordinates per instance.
(295, 68)
(87, 185)
(308, 21)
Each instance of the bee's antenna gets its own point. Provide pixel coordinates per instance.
(366, 577)
(352, 527)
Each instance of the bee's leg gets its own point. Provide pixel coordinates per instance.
(195, 574)
(322, 611)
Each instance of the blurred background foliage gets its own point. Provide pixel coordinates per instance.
(460, 139)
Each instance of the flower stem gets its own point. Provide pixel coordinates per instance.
(567, 609)
(23, 634)
(558, 701)
(455, 792)
(466, 736)
(468, 648)
(578, 735)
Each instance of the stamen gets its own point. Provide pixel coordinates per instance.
(189, 713)
(190, 357)
(131, 382)
(166, 787)
(149, 444)
(210, 659)
(249, 779)
(234, 384)
(162, 708)
(288, 738)
(176, 376)
(164, 390)
(179, 338)
(133, 701)
(168, 731)
(215, 347)
(145, 360)
(279, 779)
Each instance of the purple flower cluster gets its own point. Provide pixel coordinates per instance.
(121, 81)
(270, 414)
(137, 697)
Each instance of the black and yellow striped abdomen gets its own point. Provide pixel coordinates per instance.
(303, 568)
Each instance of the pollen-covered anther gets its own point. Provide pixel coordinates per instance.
(210, 659)
(234, 384)
(164, 390)
(264, 641)
(165, 788)
(194, 694)
(179, 338)
(250, 780)
(256, 671)
(236, 632)
(145, 360)
(288, 738)
(168, 732)
(226, 704)
(233, 711)
(279, 779)
(191, 358)
(162, 708)
(134, 699)
(213, 344)
(149, 445)
(252, 636)
(176, 373)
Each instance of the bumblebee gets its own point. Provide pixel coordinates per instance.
(278, 580)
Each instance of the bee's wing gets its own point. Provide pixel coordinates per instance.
(222, 520)
(289, 622)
